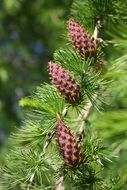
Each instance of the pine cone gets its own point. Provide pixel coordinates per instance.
(81, 40)
(69, 146)
(64, 82)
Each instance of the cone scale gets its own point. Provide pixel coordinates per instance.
(70, 148)
(64, 82)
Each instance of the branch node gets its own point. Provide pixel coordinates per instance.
(59, 182)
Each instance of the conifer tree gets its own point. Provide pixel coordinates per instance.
(57, 147)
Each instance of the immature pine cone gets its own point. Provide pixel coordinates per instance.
(81, 40)
(69, 146)
(64, 82)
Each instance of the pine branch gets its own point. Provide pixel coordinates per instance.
(77, 79)
(59, 182)
(31, 181)
(50, 136)
(84, 113)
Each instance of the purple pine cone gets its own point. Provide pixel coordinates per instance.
(81, 40)
(64, 82)
(69, 146)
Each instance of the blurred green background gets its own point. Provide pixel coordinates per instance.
(30, 31)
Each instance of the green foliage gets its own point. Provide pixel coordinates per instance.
(45, 99)
(36, 167)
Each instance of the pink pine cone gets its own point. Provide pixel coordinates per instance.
(64, 82)
(81, 40)
(69, 146)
